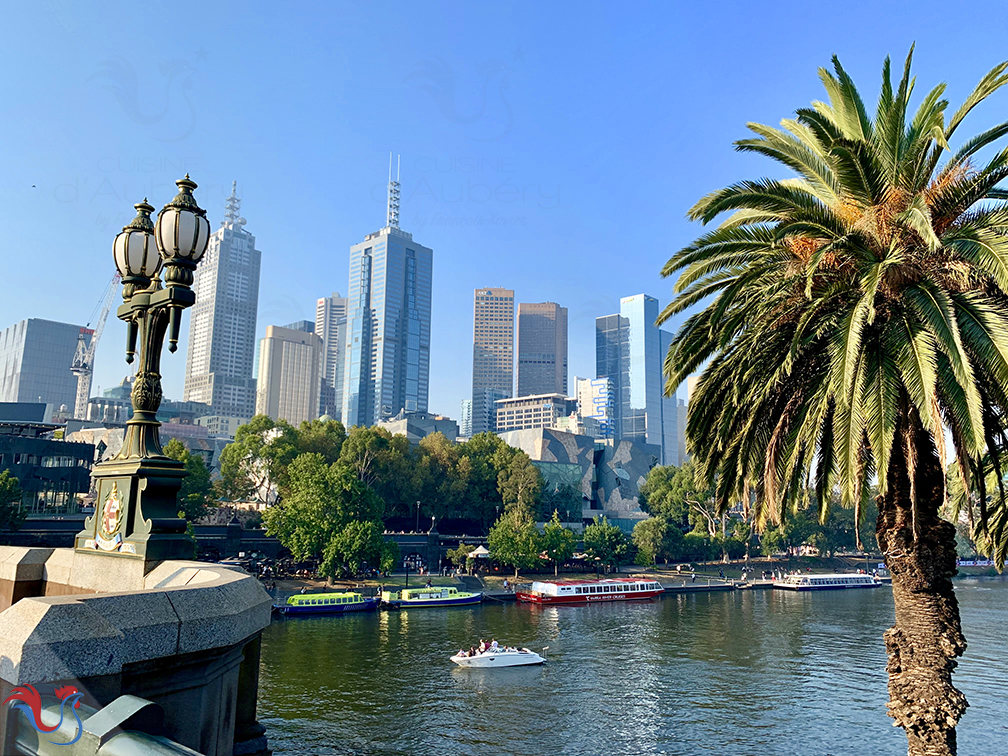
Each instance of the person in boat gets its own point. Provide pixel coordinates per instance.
(493, 646)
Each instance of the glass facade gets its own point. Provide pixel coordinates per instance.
(493, 354)
(387, 362)
(630, 351)
(35, 358)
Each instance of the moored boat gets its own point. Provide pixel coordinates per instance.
(441, 595)
(499, 657)
(589, 591)
(827, 582)
(327, 603)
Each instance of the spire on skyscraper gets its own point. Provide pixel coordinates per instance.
(392, 219)
(232, 212)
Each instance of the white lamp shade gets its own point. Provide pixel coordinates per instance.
(182, 233)
(136, 254)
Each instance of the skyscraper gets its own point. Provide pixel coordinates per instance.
(387, 361)
(222, 331)
(630, 351)
(493, 354)
(35, 358)
(290, 374)
(331, 326)
(542, 349)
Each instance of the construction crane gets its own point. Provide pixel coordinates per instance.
(83, 361)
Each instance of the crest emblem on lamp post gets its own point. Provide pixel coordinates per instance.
(108, 538)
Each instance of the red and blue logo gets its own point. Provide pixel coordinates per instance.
(29, 701)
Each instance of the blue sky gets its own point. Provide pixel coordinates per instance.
(549, 148)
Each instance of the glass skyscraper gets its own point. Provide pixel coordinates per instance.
(542, 349)
(35, 359)
(387, 361)
(222, 341)
(493, 355)
(331, 326)
(630, 351)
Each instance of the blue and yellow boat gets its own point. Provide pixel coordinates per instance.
(439, 595)
(327, 603)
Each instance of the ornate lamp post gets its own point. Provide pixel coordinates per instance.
(136, 513)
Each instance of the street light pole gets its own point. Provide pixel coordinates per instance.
(136, 511)
(417, 530)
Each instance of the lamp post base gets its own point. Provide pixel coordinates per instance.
(136, 512)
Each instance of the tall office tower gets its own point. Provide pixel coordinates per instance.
(290, 374)
(331, 326)
(493, 354)
(35, 359)
(630, 351)
(222, 331)
(387, 361)
(465, 419)
(542, 349)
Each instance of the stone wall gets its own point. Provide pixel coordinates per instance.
(185, 635)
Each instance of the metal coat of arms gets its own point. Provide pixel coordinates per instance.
(108, 537)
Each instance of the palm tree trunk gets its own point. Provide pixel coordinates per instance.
(927, 636)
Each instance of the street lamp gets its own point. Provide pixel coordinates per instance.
(417, 529)
(137, 510)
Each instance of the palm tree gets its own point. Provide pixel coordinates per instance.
(855, 313)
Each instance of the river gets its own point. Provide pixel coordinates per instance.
(742, 673)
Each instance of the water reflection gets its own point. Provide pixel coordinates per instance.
(751, 672)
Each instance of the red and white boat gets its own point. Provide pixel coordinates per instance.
(588, 591)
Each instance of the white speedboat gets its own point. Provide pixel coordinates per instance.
(510, 657)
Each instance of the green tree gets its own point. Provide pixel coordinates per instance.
(649, 538)
(557, 542)
(197, 492)
(676, 494)
(557, 497)
(389, 556)
(322, 437)
(482, 458)
(606, 542)
(12, 515)
(514, 540)
(254, 465)
(520, 482)
(852, 313)
(329, 513)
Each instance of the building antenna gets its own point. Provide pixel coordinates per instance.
(232, 212)
(392, 219)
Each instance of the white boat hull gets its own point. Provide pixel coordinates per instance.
(491, 659)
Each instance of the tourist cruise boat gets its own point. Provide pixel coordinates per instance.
(501, 657)
(327, 603)
(829, 582)
(439, 595)
(588, 591)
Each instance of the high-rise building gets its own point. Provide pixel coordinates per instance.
(290, 375)
(542, 349)
(596, 400)
(35, 359)
(331, 326)
(223, 321)
(536, 411)
(465, 419)
(630, 351)
(493, 354)
(387, 362)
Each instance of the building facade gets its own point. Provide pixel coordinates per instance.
(53, 474)
(331, 326)
(387, 361)
(537, 411)
(493, 354)
(35, 359)
(630, 351)
(290, 375)
(222, 343)
(465, 419)
(542, 349)
(417, 425)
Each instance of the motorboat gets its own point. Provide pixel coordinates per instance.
(499, 657)
(826, 582)
(432, 596)
(589, 591)
(326, 603)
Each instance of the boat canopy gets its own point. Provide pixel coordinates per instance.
(324, 599)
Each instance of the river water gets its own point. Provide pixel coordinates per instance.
(742, 673)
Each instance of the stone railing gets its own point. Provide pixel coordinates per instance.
(185, 636)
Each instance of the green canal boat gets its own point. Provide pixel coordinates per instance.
(437, 596)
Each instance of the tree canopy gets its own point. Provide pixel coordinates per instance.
(12, 515)
(197, 493)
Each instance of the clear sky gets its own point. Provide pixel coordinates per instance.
(551, 148)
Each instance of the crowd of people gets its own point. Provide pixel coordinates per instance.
(492, 647)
